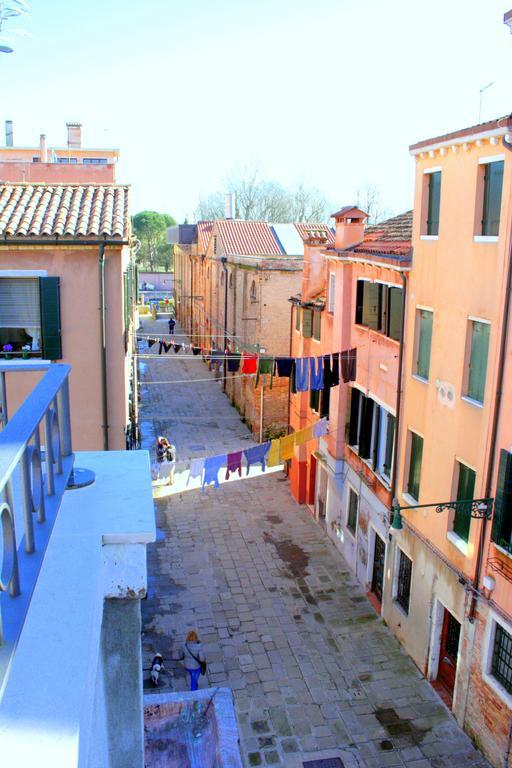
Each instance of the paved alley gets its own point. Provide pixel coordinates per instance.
(314, 671)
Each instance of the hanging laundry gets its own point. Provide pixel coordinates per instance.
(303, 435)
(284, 366)
(320, 428)
(234, 361)
(265, 365)
(287, 446)
(308, 434)
(257, 454)
(273, 458)
(212, 465)
(234, 464)
(316, 373)
(302, 374)
(177, 348)
(167, 346)
(196, 350)
(249, 362)
(348, 365)
(196, 469)
(151, 342)
(331, 370)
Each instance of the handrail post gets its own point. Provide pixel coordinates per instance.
(64, 419)
(48, 453)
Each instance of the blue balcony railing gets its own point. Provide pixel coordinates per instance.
(36, 461)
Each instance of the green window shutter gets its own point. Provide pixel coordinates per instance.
(307, 323)
(394, 321)
(359, 301)
(502, 520)
(478, 360)
(425, 319)
(317, 325)
(413, 486)
(49, 298)
(493, 184)
(376, 433)
(390, 444)
(372, 305)
(465, 492)
(365, 432)
(354, 416)
(297, 317)
(434, 203)
(314, 399)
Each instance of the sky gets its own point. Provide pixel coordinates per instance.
(329, 93)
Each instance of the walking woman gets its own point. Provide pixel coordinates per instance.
(193, 659)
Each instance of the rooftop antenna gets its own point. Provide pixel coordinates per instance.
(11, 9)
(482, 89)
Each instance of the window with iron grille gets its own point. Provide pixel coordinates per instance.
(403, 589)
(501, 667)
(353, 504)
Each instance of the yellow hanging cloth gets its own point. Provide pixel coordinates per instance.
(287, 446)
(304, 435)
(273, 455)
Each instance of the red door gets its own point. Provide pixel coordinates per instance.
(448, 652)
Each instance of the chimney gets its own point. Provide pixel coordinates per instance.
(9, 136)
(74, 135)
(43, 152)
(230, 205)
(350, 224)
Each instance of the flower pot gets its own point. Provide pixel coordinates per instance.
(7, 355)
(25, 355)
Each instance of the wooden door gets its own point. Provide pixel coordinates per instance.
(450, 635)
(379, 555)
(312, 482)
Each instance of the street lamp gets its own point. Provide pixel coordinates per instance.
(480, 509)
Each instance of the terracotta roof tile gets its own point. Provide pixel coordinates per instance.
(204, 232)
(247, 238)
(398, 228)
(64, 211)
(306, 229)
(500, 122)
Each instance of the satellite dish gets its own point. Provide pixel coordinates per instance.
(6, 49)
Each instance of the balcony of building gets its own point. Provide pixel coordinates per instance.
(72, 572)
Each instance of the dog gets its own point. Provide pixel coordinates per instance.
(157, 666)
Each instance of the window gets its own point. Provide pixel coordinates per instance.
(379, 307)
(30, 315)
(502, 519)
(476, 366)
(353, 505)
(307, 323)
(371, 432)
(465, 492)
(317, 325)
(423, 342)
(415, 456)
(67, 160)
(95, 161)
(332, 283)
(434, 201)
(403, 588)
(493, 182)
(253, 291)
(36, 159)
(314, 399)
(297, 318)
(501, 664)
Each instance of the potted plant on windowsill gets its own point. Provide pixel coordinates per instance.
(25, 351)
(7, 350)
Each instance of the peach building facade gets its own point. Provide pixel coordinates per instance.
(448, 447)
(72, 164)
(56, 242)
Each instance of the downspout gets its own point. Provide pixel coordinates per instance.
(224, 261)
(103, 348)
(191, 296)
(399, 388)
(289, 378)
(495, 419)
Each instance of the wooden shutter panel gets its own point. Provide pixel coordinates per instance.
(372, 305)
(434, 202)
(307, 323)
(359, 302)
(394, 313)
(354, 416)
(375, 441)
(49, 297)
(493, 184)
(365, 434)
(502, 520)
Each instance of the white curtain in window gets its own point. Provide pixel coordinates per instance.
(19, 302)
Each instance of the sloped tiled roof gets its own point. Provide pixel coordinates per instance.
(247, 238)
(204, 231)
(306, 229)
(395, 229)
(66, 211)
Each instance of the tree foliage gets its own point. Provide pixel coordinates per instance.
(265, 200)
(150, 229)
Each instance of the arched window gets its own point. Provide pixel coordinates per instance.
(253, 291)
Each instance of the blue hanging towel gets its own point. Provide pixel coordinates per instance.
(316, 376)
(212, 465)
(257, 454)
(302, 374)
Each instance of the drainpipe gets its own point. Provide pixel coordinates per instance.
(224, 267)
(290, 379)
(191, 297)
(399, 387)
(495, 420)
(103, 348)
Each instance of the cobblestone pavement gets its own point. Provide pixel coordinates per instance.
(283, 622)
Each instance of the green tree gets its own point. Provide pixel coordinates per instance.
(150, 229)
